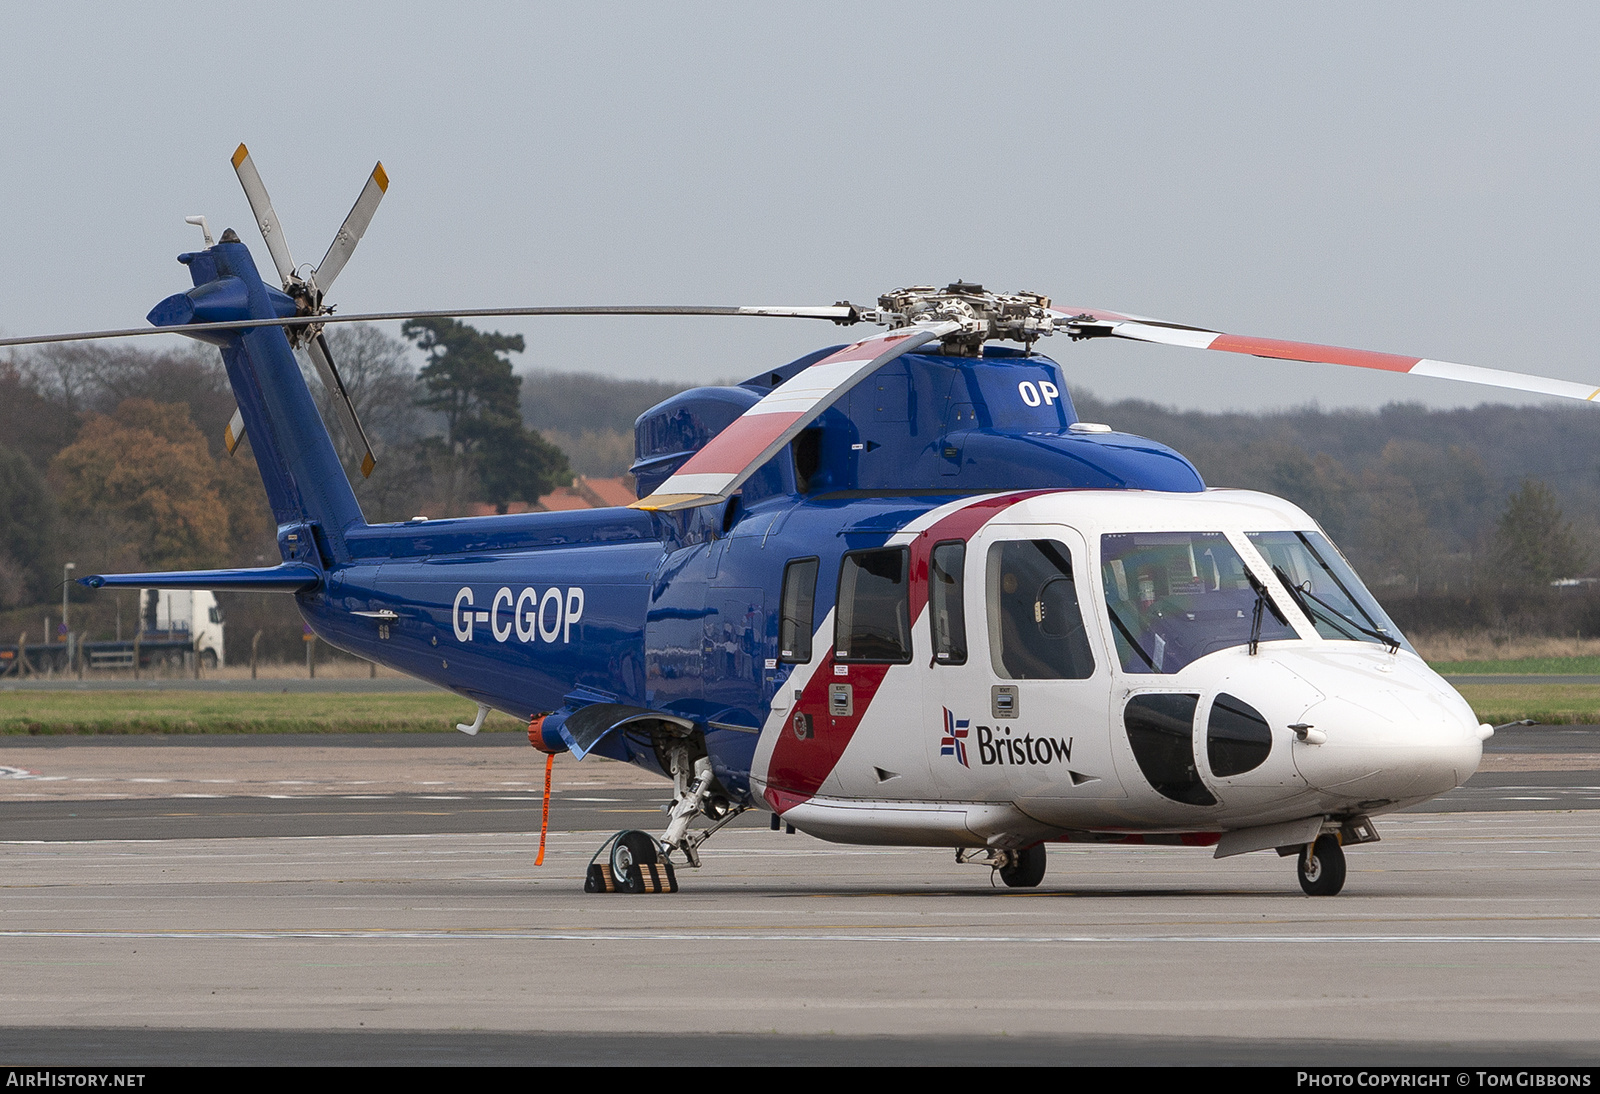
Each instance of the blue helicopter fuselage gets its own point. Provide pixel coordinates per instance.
(661, 636)
(678, 612)
(670, 612)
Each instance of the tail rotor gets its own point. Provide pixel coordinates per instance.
(308, 291)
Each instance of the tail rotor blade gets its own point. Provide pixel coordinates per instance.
(261, 205)
(323, 357)
(353, 228)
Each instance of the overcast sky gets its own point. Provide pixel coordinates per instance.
(1418, 178)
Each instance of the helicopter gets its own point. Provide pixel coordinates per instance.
(894, 592)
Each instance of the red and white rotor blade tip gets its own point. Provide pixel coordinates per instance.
(714, 472)
(1140, 329)
(255, 191)
(353, 228)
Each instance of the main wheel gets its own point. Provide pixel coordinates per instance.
(1322, 870)
(1026, 869)
(631, 849)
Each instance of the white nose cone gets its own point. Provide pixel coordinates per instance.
(1406, 742)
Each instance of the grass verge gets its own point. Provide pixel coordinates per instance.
(193, 712)
(1522, 666)
(1551, 704)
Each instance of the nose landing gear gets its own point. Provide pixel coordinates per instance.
(1321, 866)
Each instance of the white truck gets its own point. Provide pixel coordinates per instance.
(174, 619)
(174, 629)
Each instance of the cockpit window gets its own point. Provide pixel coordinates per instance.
(1035, 626)
(1174, 597)
(1326, 588)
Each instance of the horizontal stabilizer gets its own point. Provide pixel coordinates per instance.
(291, 577)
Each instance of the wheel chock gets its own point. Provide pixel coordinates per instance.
(648, 877)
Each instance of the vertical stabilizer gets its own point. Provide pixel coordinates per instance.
(305, 482)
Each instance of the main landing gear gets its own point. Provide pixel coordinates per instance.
(634, 864)
(638, 862)
(1022, 869)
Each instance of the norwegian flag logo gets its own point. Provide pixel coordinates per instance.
(954, 741)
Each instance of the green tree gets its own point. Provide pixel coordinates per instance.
(467, 374)
(513, 462)
(468, 378)
(26, 520)
(1534, 546)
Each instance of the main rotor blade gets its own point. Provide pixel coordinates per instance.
(1090, 322)
(844, 315)
(255, 191)
(322, 356)
(750, 440)
(353, 228)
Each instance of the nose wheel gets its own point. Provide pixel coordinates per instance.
(1321, 866)
(1026, 868)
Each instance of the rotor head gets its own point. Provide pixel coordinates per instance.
(981, 315)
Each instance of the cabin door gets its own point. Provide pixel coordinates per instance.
(1019, 684)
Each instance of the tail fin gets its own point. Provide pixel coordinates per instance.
(311, 498)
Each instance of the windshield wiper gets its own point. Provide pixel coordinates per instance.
(1337, 618)
(1263, 600)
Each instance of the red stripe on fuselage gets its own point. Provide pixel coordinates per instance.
(1310, 351)
(799, 766)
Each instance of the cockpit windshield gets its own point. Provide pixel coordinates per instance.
(1176, 596)
(1326, 588)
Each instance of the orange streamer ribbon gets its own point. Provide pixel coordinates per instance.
(544, 823)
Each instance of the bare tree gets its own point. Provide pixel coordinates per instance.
(381, 379)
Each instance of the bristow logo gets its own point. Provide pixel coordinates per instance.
(954, 741)
(528, 615)
(1000, 747)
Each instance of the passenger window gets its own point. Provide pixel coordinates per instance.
(1161, 732)
(1035, 625)
(873, 621)
(946, 611)
(795, 623)
(1238, 738)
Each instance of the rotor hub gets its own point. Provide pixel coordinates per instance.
(982, 315)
